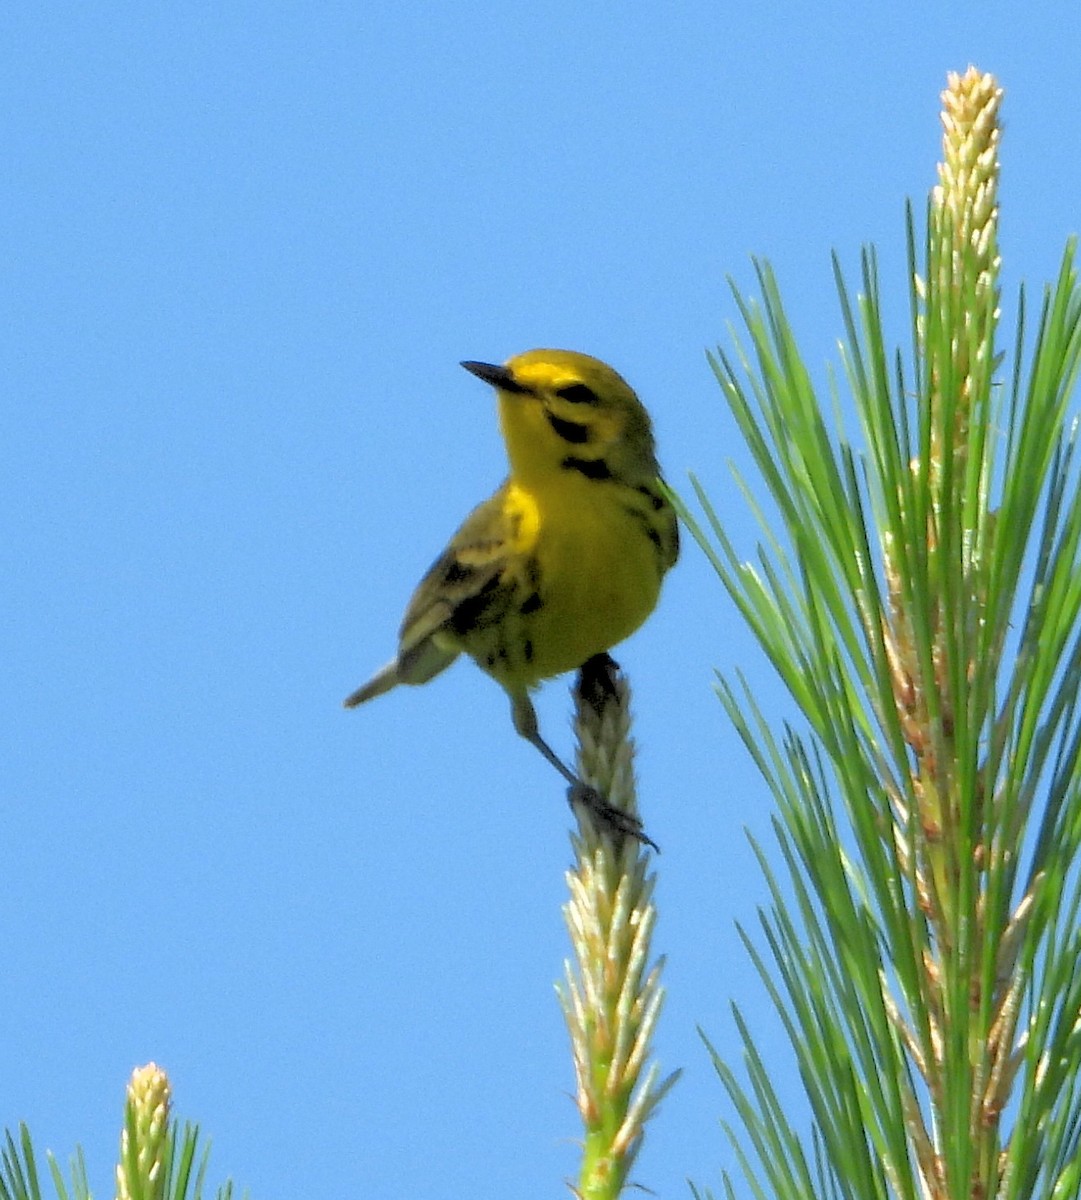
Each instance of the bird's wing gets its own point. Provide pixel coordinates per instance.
(465, 589)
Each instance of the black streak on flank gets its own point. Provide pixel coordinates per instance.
(569, 431)
(591, 468)
(647, 527)
(530, 604)
(658, 502)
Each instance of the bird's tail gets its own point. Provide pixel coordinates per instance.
(382, 681)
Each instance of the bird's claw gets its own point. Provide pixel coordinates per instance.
(615, 820)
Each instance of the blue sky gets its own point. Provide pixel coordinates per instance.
(245, 248)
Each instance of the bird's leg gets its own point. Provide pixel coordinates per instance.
(525, 722)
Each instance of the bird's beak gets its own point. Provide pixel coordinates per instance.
(498, 377)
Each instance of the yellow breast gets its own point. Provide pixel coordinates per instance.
(598, 573)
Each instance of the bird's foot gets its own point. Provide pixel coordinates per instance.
(614, 820)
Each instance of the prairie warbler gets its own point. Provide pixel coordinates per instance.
(564, 561)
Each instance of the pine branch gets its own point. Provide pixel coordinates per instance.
(922, 601)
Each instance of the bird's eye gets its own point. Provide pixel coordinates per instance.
(577, 393)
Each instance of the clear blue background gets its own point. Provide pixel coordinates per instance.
(244, 248)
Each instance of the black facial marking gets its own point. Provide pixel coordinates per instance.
(569, 431)
(591, 468)
(578, 393)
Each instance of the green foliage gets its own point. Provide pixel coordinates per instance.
(183, 1179)
(921, 600)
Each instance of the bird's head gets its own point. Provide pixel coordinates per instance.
(561, 409)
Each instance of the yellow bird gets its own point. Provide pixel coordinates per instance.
(565, 560)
